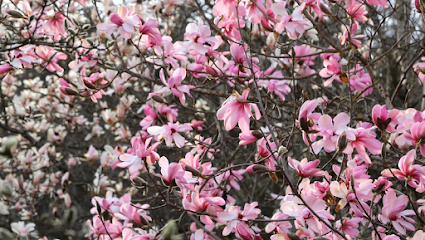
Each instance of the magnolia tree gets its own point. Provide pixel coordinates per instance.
(226, 119)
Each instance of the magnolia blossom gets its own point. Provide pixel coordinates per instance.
(237, 220)
(173, 84)
(408, 171)
(23, 230)
(170, 132)
(124, 20)
(293, 24)
(393, 212)
(383, 119)
(305, 168)
(237, 110)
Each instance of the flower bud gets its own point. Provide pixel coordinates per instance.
(260, 169)
(293, 236)
(210, 70)
(257, 134)
(418, 5)
(382, 125)
(158, 99)
(343, 77)
(282, 150)
(304, 125)
(325, 9)
(69, 91)
(15, 14)
(342, 142)
(90, 85)
(194, 172)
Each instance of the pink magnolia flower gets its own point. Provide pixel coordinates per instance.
(306, 168)
(332, 69)
(348, 35)
(150, 116)
(279, 87)
(393, 212)
(94, 84)
(230, 26)
(408, 171)
(150, 29)
(198, 38)
(170, 172)
(349, 226)
(55, 25)
(305, 219)
(360, 80)
(357, 11)
(140, 150)
(383, 119)
(50, 57)
(237, 220)
(330, 130)
(124, 20)
(417, 132)
(23, 57)
(204, 204)
(247, 138)
(173, 84)
(293, 24)
(169, 53)
(364, 138)
(236, 109)
(170, 132)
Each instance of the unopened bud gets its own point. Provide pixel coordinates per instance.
(304, 125)
(15, 14)
(143, 220)
(169, 230)
(282, 150)
(325, 9)
(257, 134)
(210, 70)
(69, 91)
(293, 236)
(158, 99)
(342, 142)
(90, 85)
(260, 169)
(343, 77)
(86, 26)
(194, 172)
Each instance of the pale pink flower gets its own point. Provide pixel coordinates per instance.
(170, 132)
(237, 110)
(237, 220)
(384, 119)
(23, 230)
(332, 69)
(92, 154)
(49, 58)
(360, 80)
(173, 84)
(198, 38)
(170, 172)
(203, 204)
(293, 24)
(393, 212)
(150, 116)
(169, 53)
(413, 173)
(150, 29)
(349, 226)
(55, 25)
(124, 20)
(357, 11)
(364, 138)
(417, 132)
(306, 168)
(140, 150)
